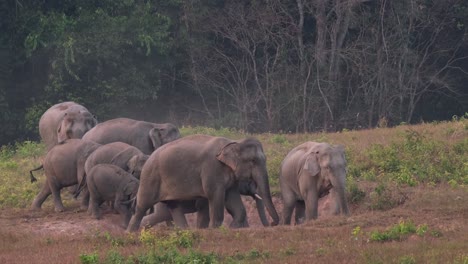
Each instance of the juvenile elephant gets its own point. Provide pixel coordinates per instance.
(307, 173)
(65, 121)
(203, 166)
(163, 210)
(123, 155)
(143, 135)
(107, 182)
(63, 166)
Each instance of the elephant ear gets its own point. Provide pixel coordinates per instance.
(155, 137)
(131, 188)
(121, 159)
(61, 137)
(229, 155)
(132, 163)
(311, 163)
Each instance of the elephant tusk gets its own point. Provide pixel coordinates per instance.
(258, 196)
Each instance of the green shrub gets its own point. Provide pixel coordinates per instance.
(398, 232)
(89, 258)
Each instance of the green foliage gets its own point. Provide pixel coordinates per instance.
(354, 193)
(279, 139)
(417, 159)
(177, 239)
(382, 198)
(398, 232)
(407, 260)
(92, 258)
(251, 255)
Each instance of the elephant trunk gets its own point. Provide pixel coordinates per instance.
(264, 191)
(339, 187)
(261, 211)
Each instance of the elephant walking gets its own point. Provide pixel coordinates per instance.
(143, 135)
(64, 166)
(201, 166)
(107, 182)
(163, 210)
(308, 172)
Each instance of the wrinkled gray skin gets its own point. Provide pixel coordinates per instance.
(143, 135)
(163, 210)
(107, 182)
(203, 166)
(123, 155)
(307, 173)
(65, 121)
(63, 167)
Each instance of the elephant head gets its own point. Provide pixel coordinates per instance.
(162, 134)
(328, 163)
(248, 162)
(131, 160)
(75, 124)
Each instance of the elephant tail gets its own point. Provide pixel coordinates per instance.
(80, 187)
(33, 179)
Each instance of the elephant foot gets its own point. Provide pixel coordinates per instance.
(35, 208)
(59, 209)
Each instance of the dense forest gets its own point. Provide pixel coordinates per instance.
(257, 66)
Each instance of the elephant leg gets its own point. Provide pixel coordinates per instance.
(55, 189)
(178, 216)
(216, 203)
(94, 207)
(289, 202)
(40, 198)
(236, 209)
(161, 214)
(300, 212)
(203, 213)
(85, 198)
(311, 204)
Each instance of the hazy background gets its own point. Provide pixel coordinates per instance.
(258, 66)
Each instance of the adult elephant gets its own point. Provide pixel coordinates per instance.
(202, 166)
(63, 166)
(65, 121)
(307, 173)
(143, 135)
(163, 210)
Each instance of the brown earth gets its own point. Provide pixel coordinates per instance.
(48, 237)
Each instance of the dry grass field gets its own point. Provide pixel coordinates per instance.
(407, 189)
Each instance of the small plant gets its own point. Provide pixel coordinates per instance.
(407, 260)
(397, 232)
(89, 258)
(356, 232)
(280, 139)
(355, 194)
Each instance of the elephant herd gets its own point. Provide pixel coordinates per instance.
(150, 174)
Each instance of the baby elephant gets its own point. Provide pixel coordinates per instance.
(107, 182)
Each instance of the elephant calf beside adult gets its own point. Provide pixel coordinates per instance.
(308, 172)
(203, 166)
(107, 182)
(143, 135)
(163, 210)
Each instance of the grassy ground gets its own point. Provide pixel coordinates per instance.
(407, 188)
